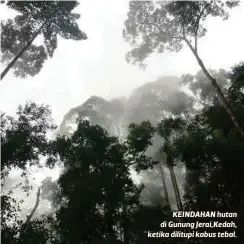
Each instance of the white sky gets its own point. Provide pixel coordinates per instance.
(97, 66)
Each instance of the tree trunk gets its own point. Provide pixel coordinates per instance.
(174, 183)
(221, 96)
(109, 215)
(11, 64)
(176, 188)
(125, 226)
(166, 195)
(29, 217)
(109, 223)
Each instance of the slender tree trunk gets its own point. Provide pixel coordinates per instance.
(11, 64)
(109, 222)
(174, 183)
(109, 215)
(29, 217)
(176, 188)
(166, 195)
(222, 98)
(125, 227)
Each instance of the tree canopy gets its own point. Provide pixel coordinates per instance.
(165, 26)
(49, 19)
(162, 26)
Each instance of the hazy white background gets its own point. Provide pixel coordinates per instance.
(97, 66)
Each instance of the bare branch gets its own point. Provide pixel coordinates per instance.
(29, 217)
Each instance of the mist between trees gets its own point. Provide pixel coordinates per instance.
(123, 164)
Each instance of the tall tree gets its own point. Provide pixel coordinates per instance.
(156, 27)
(169, 129)
(12, 39)
(50, 19)
(213, 155)
(98, 195)
(166, 195)
(23, 141)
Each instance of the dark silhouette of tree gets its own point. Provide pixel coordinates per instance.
(23, 141)
(50, 19)
(98, 195)
(153, 216)
(157, 27)
(169, 129)
(212, 151)
(164, 184)
(12, 38)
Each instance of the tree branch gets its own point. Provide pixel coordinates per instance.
(29, 217)
(134, 162)
(195, 41)
(19, 54)
(197, 25)
(161, 32)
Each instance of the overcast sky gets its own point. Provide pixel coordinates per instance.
(97, 66)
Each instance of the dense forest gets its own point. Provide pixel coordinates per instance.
(186, 146)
